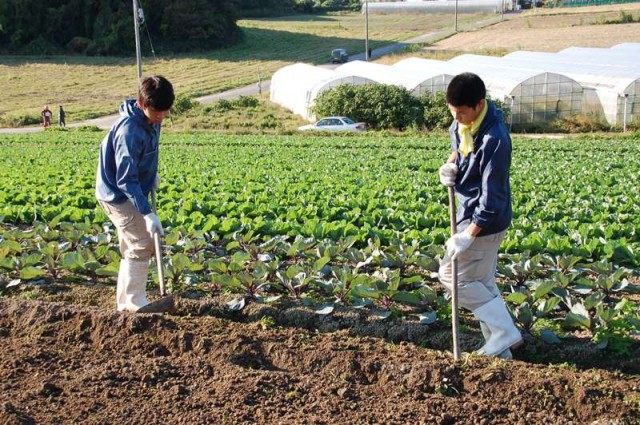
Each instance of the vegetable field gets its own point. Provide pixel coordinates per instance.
(329, 233)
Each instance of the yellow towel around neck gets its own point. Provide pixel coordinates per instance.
(466, 132)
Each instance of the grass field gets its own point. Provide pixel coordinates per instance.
(89, 87)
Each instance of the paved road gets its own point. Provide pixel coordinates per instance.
(255, 89)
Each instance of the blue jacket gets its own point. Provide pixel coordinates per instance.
(482, 184)
(128, 161)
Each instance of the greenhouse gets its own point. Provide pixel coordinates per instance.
(532, 96)
(417, 84)
(629, 47)
(596, 56)
(440, 6)
(296, 86)
(617, 89)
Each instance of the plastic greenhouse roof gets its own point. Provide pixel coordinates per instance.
(598, 56)
(296, 86)
(463, 6)
(499, 81)
(595, 76)
(634, 47)
(302, 74)
(386, 74)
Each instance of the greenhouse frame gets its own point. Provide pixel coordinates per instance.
(417, 84)
(616, 88)
(296, 86)
(531, 96)
(441, 6)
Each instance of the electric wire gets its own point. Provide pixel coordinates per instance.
(142, 21)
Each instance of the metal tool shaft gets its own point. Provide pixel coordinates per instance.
(158, 249)
(454, 280)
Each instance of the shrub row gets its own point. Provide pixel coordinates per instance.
(384, 106)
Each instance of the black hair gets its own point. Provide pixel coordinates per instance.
(156, 92)
(466, 89)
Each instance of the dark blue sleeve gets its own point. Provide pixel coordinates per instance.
(128, 147)
(495, 201)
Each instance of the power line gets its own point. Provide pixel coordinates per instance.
(146, 27)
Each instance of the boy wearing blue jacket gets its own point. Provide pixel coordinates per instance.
(127, 172)
(478, 170)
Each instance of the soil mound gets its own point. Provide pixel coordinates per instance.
(68, 362)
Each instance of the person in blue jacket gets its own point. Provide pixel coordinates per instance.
(478, 170)
(127, 172)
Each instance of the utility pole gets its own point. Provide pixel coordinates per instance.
(136, 24)
(366, 30)
(456, 16)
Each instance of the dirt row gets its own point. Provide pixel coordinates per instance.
(70, 358)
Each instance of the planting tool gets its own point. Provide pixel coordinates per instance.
(158, 247)
(454, 279)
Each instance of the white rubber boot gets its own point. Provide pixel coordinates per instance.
(486, 333)
(503, 333)
(131, 292)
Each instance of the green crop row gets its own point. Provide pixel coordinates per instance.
(358, 220)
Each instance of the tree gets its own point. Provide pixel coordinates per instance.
(106, 26)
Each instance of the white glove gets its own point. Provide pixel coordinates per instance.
(448, 174)
(156, 182)
(459, 243)
(152, 222)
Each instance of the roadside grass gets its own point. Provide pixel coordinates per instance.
(89, 87)
(246, 115)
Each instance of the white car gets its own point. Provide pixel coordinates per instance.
(335, 124)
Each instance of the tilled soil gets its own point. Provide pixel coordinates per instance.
(68, 357)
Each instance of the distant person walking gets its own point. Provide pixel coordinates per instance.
(46, 116)
(61, 122)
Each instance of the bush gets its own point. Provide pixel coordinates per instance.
(87, 128)
(438, 117)
(389, 107)
(246, 102)
(436, 112)
(223, 105)
(182, 104)
(634, 124)
(19, 120)
(381, 106)
(269, 121)
(580, 123)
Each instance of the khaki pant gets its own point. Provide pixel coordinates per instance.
(135, 242)
(476, 271)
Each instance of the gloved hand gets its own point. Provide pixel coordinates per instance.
(152, 222)
(459, 243)
(156, 182)
(448, 174)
